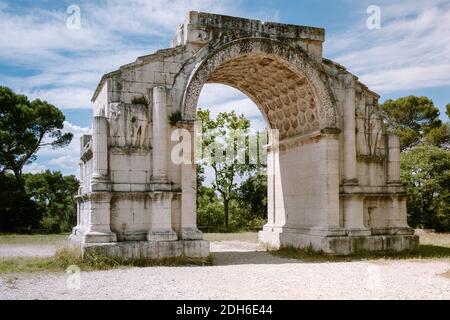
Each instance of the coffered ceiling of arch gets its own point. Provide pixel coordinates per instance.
(285, 98)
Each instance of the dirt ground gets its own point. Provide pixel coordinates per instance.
(241, 270)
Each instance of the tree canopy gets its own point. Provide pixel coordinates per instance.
(425, 170)
(54, 195)
(415, 120)
(25, 126)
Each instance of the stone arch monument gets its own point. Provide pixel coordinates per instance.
(333, 172)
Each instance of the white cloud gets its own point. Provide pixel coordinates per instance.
(63, 159)
(395, 9)
(67, 64)
(214, 94)
(63, 98)
(73, 148)
(34, 168)
(410, 51)
(65, 162)
(154, 17)
(221, 98)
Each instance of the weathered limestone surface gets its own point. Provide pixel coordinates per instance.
(333, 172)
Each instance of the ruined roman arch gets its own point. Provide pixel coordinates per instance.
(333, 171)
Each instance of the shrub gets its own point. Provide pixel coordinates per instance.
(140, 100)
(175, 117)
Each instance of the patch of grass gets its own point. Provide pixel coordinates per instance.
(37, 239)
(432, 246)
(238, 236)
(27, 264)
(446, 274)
(90, 262)
(309, 255)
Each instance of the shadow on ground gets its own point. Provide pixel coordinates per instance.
(256, 257)
(228, 255)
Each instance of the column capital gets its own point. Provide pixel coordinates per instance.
(349, 80)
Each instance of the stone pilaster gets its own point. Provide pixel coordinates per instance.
(393, 160)
(160, 135)
(100, 178)
(349, 134)
(277, 207)
(354, 215)
(272, 154)
(161, 217)
(270, 188)
(329, 175)
(189, 230)
(161, 213)
(99, 228)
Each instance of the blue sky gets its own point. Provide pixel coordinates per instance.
(42, 58)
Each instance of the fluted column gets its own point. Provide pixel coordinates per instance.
(99, 228)
(160, 127)
(161, 213)
(189, 230)
(393, 159)
(99, 181)
(350, 176)
(353, 205)
(272, 160)
(328, 163)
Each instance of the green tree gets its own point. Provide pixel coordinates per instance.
(425, 170)
(221, 149)
(25, 127)
(439, 136)
(54, 195)
(210, 214)
(415, 120)
(253, 195)
(18, 213)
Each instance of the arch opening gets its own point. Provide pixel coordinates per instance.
(247, 208)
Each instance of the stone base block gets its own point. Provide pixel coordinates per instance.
(340, 245)
(191, 234)
(148, 249)
(161, 235)
(92, 237)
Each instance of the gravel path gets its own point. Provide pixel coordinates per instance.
(242, 271)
